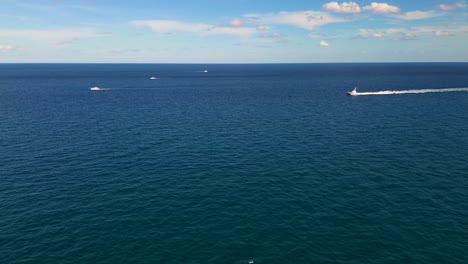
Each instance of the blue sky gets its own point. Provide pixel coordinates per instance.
(232, 31)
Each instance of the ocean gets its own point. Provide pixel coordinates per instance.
(244, 163)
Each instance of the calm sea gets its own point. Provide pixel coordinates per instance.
(257, 163)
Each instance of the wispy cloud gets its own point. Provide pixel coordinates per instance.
(124, 51)
(451, 7)
(55, 36)
(273, 35)
(369, 33)
(7, 48)
(409, 33)
(236, 23)
(66, 42)
(165, 26)
(415, 15)
(303, 19)
(38, 7)
(57, 7)
(169, 26)
(442, 33)
(262, 28)
(345, 7)
(276, 36)
(322, 36)
(406, 36)
(87, 8)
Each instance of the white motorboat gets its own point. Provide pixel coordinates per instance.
(353, 92)
(153, 78)
(95, 88)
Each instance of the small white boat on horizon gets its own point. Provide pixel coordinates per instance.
(204, 71)
(95, 88)
(153, 78)
(353, 92)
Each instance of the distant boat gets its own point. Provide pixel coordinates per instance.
(153, 78)
(204, 71)
(353, 92)
(95, 88)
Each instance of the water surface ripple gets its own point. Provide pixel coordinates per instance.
(263, 163)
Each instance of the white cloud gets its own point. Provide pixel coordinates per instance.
(240, 31)
(66, 42)
(168, 26)
(345, 7)
(322, 36)
(324, 44)
(415, 15)
(263, 28)
(278, 37)
(406, 36)
(7, 48)
(442, 33)
(303, 19)
(236, 23)
(56, 36)
(451, 7)
(367, 33)
(273, 35)
(381, 8)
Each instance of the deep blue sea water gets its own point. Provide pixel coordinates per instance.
(262, 163)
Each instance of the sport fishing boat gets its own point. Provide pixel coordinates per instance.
(353, 92)
(95, 88)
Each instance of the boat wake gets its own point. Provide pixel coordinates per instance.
(443, 90)
(95, 88)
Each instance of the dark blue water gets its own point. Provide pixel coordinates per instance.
(262, 163)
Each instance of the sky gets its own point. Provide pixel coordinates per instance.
(232, 31)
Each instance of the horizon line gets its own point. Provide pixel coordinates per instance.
(213, 63)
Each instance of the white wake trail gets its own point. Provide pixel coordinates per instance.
(443, 90)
